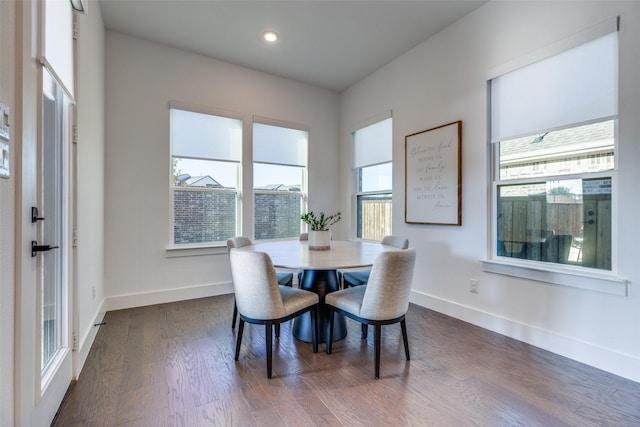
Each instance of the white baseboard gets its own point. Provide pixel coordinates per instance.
(620, 364)
(120, 302)
(87, 339)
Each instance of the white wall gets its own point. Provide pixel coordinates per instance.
(141, 78)
(444, 80)
(90, 98)
(7, 217)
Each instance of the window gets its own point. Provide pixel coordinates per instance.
(553, 129)
(279, 180)
(205, 176)
(372, 163)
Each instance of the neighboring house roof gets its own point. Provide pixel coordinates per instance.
(278, 187)
(558, 153)
(596, 137)
(186, 180)
(198, 181)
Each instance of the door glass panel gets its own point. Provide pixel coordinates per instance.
(54, 134)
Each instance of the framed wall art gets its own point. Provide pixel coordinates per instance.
(433, 178)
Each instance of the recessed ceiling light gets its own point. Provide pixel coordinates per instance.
(270, 36)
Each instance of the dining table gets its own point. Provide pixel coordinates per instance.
(320, 273)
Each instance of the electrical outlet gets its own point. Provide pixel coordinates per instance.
(473, 286)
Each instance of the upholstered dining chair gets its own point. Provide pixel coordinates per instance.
(262, 301)
(383, 301)
(360, 277)
(284, 278)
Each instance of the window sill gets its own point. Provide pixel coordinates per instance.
(193, 250)
(593, 281)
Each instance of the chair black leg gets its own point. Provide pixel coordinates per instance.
(277, 328)
(403, 325)
(235, 314)
(268, 330)
(314, 328)
(239, 338)
(365, 330)
(377, 338)
(329, 330)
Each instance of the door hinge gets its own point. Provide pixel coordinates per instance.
(74, 344)
(74, 239)
(75, 31)
(74, 134)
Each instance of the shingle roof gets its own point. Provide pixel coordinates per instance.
(595, 135)
(201, 181)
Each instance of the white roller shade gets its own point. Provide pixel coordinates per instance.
(279, 145)
(372, 145)
(577, 86)
(57, 43)
(205, 136)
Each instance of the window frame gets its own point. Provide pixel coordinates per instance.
(606, 281)
(357, 175)
(358, 194)
(303, 193)
(497, 183)
(186, 249)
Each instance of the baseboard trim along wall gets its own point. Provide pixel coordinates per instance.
(120, 302)
(89, 336)
(599, 357)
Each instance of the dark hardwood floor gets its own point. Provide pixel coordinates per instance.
(172, 365)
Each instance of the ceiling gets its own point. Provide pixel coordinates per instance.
(330, 44)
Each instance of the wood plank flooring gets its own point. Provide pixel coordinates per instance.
(172, 365)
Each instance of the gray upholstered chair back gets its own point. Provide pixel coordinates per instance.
(397, 241)
(389, 287)
(238, 242)
(255, 285)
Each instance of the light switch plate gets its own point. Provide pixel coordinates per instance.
(4, 160)
(4, 122)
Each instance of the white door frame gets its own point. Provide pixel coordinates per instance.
(33, 406)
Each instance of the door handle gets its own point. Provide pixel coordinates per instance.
(35, 248)
(35, 215)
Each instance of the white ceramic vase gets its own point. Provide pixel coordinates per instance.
(319, 240)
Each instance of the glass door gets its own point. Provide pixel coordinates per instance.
(54, 197)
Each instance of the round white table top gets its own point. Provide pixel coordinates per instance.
(295, 254)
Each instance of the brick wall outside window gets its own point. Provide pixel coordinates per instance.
(277, 215)
(201, 216)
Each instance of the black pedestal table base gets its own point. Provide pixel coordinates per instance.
(321, 282)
